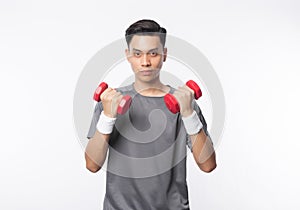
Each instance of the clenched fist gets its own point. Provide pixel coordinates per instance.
(184, 95)
(110, 100)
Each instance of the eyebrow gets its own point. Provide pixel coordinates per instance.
(134, 49)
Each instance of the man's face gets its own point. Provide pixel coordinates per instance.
(146, 56)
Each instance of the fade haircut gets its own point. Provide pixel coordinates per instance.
(146, 27)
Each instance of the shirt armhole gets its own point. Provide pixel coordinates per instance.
(96, 115)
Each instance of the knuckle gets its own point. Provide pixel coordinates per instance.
(102, 97)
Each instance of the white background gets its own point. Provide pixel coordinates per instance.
(252, 45)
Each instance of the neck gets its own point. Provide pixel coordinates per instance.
(153, 88)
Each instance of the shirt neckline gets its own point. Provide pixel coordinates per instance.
(136, 93)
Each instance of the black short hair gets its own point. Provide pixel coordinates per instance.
(146, 27)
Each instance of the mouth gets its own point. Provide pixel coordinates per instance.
(146, 72)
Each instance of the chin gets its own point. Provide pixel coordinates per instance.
(147, 80)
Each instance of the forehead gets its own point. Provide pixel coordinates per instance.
(144, 42)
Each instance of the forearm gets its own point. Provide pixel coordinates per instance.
(203, 151)
(96, 150)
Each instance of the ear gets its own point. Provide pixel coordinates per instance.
(165, 54)
(127, 54)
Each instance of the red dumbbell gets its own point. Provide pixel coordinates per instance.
(171, 102)
(124, 103)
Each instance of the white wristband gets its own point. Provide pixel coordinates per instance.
(192, 123)
(105, 124)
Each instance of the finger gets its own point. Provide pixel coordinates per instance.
(183, 89)
(105, 93)
(110, 94)
(116, 96)
(180, 89)
(115, 100)
(178, 94)
(187, 90)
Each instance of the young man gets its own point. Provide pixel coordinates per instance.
(159, 184)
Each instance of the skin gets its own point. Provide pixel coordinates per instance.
(146, 56)
(147, 53)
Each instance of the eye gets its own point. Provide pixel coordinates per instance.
(137, 54)
(153, 54)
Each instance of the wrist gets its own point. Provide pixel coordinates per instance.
(105, 124)
(108, 114)
(187, 113)
(192, 123)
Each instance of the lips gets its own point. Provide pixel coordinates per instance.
(146, 72)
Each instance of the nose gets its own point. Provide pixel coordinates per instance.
(145, 61)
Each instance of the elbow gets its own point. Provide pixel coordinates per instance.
(208, 169)
(208, 165)
(93, 168)
(91, 165)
